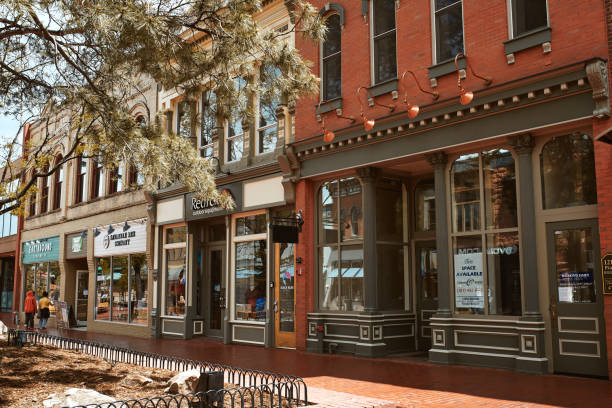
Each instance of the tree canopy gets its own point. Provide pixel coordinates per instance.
(88, 58)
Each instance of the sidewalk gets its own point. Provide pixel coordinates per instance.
(350, 382)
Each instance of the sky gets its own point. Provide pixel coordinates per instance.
(8, 128)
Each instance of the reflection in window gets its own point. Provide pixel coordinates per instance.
(331, 59)
(103, 278)
(43, 277)
(235, 128)
(58, 179)
(253, 224)
(385, 60)
(527, 15)
(267, 129)
(98, 179)
(176, 281)
(139, 273)
(328, 212)
(428, 267)
(81, 179)
(351, 213)
(389, 211)
(208, 123)
(120, 293)
(7, 269)
(573, 183)
(176, 234)
(54, 285)
(425, 203)
(44, 199)
(116, 180)
(575, 258)
(504, 274)
(185, 121)
(341, 278)
(250, 280)
(286, 292)
(465, 182)
(499, 189)
(448, 29)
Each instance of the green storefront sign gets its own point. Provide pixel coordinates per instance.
(41, 250)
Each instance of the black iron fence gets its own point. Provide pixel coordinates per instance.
(253, 388)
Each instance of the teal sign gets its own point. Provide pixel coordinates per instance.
(41, 250)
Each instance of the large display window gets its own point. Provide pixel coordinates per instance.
(486, 257)
(175, 253)
(43, 277)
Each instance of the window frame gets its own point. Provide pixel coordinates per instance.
(511, 23)
(58, 181)
(373, 67)
(97, 180)
(45, 189)
(434, 31)
(322, 58)
(184, 244)
(205, 105)
(116, 180)
(258, 129)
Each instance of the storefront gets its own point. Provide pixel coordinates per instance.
(41, 269)
(120, 284)
(77, 275)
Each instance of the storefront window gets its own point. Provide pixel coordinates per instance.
(250, 280)
(567, 166)
(254, 224)
(43, 277)
(122, 295)
(487, 273)
(54, 284)
(328, 212)
(7, 270)
(425, 202)
(351, 212)
(176, 279)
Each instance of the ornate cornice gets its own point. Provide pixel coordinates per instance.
(597, 73)
(522, 144)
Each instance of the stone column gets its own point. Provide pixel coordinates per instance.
(438, 162)
(523, 146)
(368, 177)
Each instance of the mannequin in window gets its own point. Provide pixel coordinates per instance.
(251, 295)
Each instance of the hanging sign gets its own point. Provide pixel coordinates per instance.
(469, 282)
(606, 271)
(41, 250)
(121, 240)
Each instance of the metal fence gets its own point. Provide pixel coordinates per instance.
(254, 388)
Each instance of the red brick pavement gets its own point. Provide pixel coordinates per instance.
(403, 382)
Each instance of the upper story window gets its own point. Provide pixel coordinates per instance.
(44, 199)
(32, 205)
(58, 177)
(135, 177)
(208, 123)
(185, 125)
(573, 183)
(267, 129)
(331, 61)
(8, 221)
(235, 131)
(116, 180)
(527, 15)
(383, 38)
(81, 180)
(448, 33)
(97, 179)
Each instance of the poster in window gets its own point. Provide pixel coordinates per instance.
(469, 283)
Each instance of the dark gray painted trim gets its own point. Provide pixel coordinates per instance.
(445, 67)
(384, 87)
(329, 106)
(573, 107)
(336, 7)
(528, 40)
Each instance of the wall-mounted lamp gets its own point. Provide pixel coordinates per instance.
(413, 110)
(328, 135)
(368, 124)
(96, 232)
(84, 234)
(110, 229)
(467, 96)
(126, 226)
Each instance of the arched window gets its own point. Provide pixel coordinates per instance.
(58, 179)
(567, 165)
(331, 61)
(44, 198)
(81, 180)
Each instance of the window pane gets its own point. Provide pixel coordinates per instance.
(427, 259)
(103, 277)
(466, 193)
(267, 139)
(82, 194)
(528, 15)
(139, 299)
(185, 121)
(234, 148)
(42, 279)
(30, 269)
(176, 281)
(208, 117)
(332, 77)
(449, 33)
(351, 213)
(425, 203)
(54, 285)
(268, 102)
(444, 3)
(575, 258)
(351, 278)
(468, 272)
(253, 224)
(328, 212)
(250, 280)
(499, 189)
(384, 16)
(504, 274)
(216, 232)
(384, 57)
(6, 224)
(573, 183)
(332, 42)
(286, 290)
(176, 234)
(329, 288)
(390, 259)
(120, 296)
(389, 211)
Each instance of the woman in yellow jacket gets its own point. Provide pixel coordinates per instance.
(43, 307)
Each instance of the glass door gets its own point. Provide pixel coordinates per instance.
(427, 290)
(214, 300)
(284, 302)
(576, 304)
(82, 294)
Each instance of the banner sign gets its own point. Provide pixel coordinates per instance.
(469, 281)
(121, 241)
(41, 250)
(606, 271)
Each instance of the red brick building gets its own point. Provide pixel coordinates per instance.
(482, 221)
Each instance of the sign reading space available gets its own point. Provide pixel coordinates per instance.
(120, 241)
(469, 282)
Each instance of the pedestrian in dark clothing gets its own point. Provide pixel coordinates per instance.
(29, 307)
(43, 310)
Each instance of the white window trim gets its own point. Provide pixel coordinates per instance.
(434, 31)
(259, 129)
(321, 46)
(511, 19)
(371, 32)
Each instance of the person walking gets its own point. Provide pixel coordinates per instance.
(43, 306)
(29, 307)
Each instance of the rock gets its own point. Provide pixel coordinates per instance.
(184, 383)
(136, 380)
(73, 397)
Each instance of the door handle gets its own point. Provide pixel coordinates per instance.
(275, 306)
(553, 312)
